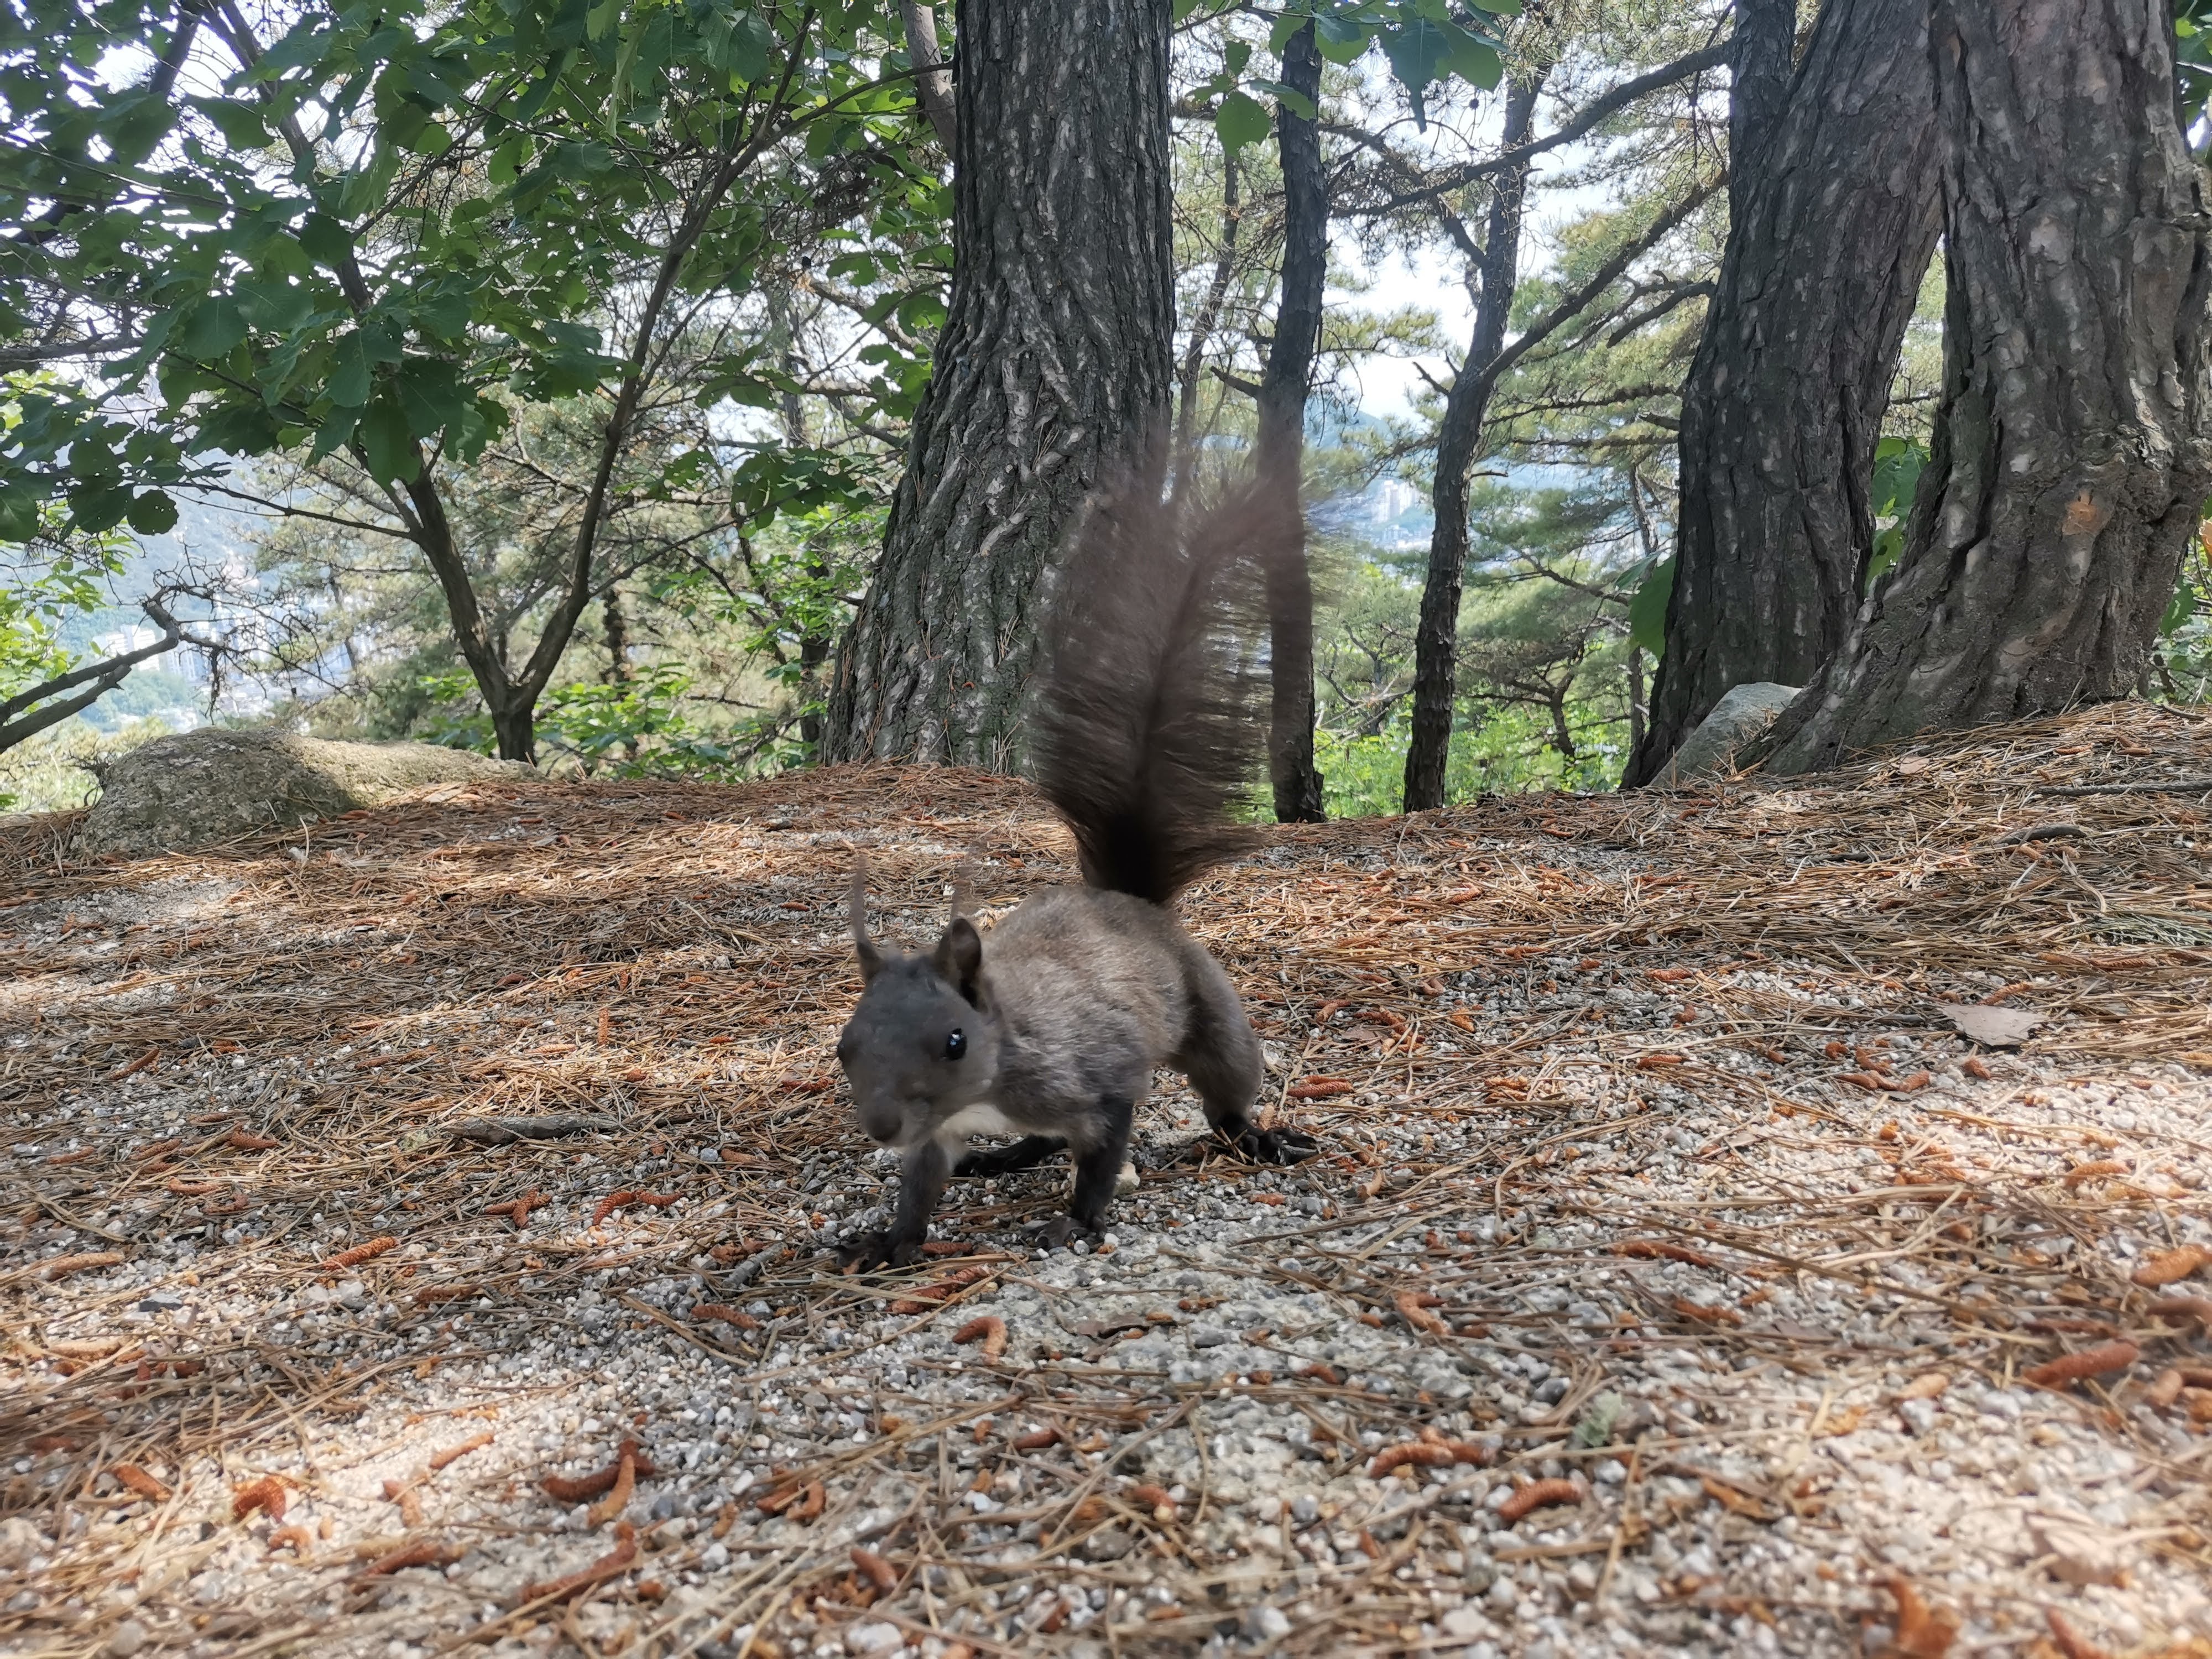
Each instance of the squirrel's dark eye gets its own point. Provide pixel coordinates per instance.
(955, 1046)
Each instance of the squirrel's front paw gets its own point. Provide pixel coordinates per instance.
(1274, 1145)
(872, 1251)
(1064, 1230)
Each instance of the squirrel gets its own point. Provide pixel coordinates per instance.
(1142, 733)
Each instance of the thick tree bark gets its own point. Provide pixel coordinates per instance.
(1052, 371)
(1832, 218)
(1280, 456)
(2073, 449)
(1436, 642)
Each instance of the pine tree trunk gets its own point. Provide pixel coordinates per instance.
(1054, 370)
(2073, 449)
(1280, 456)
(1833, 212)
(1458, 436)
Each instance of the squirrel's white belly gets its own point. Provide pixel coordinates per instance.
(983, 1118)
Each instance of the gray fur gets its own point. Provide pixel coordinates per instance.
(1051, 1026)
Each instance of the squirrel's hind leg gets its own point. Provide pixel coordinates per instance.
(1222, 1059)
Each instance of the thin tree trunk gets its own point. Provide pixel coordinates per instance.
(2072, 448)
(1281, 454)
(616, 624)
(1436, 642)
(1833, 219)
(1193, 367)
(783, 337)
(932, 85)
(1635, 698)
(1053, 373)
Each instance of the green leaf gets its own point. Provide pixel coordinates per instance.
(432, 395)
(2179, 612)
(325, 240)
(386, 443)
(601, 18)
(349, 384)
(1290, 98)
(739, 45)
(1241, 119)
(1897, 466)
(98, 504)
(19, 513)
(239, 429)
(1427, 49)
(240, 123)
(274, 304)
(1338, 40)
(1238, 54)
(211, 328)
(153, 513)
(1647, 611)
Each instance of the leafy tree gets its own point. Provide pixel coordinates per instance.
(378, 229)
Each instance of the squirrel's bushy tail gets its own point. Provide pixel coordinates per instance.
(1147, 729)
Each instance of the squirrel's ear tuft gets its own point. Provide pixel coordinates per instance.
(856, 910)
(959, 957)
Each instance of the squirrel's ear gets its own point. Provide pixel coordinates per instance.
(856, 910)
(959, 957)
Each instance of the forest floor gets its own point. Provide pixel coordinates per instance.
(1664, 1214)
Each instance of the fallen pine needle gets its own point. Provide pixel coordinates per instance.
(727, 1313)
(628, 1196)
(84, 1262)
(137, 1480)
(990, 1328)
(1922, 1632)
(2197, 1307)
(2071, 1642)
(2173, 1267)
(611, 1565)
(2069, 1368)
(403, 1493)
(455, 1453)
(150, 1057)
(361, 1253)
(580, 1488)
(877, 1570)
(1536, 1496)
(428, 1552)
(1651, 1249)
(266, 1494)
(1414, 1307)
(1427, 1454)
(625, 1487)
(1155, 1498)
(2095, 1171)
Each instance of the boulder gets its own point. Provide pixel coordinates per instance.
(216, 784)
(1743, 713)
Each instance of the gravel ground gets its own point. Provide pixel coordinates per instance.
(1669, 1282)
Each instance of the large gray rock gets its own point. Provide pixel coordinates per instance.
(1743, 713)
(215, 785)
